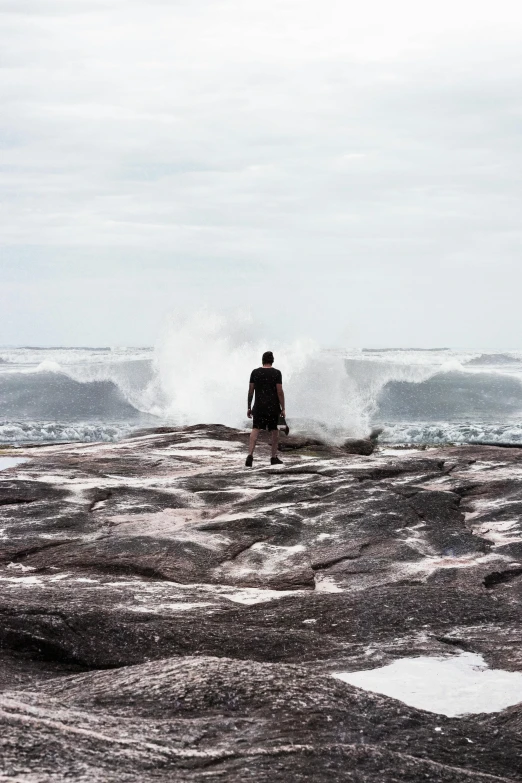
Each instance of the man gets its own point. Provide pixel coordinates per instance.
(267, 384)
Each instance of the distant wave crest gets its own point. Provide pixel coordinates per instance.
(56, 396)
(451, 395)
(494, 360)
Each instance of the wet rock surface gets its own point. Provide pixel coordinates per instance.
(167, 614)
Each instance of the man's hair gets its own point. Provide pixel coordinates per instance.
(268, 357)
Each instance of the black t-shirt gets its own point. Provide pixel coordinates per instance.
(265, 380)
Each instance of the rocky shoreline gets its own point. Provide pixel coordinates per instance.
(168, 615)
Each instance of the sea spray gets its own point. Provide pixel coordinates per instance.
(202, 367)
(203, 363)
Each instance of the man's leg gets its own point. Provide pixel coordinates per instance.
(275, 441)
(253, 440)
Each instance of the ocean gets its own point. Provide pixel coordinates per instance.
(51, 395)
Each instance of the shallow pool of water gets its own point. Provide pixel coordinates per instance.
(460, 685)
(11, 462)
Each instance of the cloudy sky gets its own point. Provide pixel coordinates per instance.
(349, 171)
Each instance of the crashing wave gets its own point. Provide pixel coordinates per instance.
(55, 396)
(446, 396)
(199, 373)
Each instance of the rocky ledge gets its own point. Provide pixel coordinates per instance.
(169, 615)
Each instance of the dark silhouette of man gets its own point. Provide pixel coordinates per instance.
(266, 383)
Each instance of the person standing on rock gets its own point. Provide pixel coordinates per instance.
(266, 383)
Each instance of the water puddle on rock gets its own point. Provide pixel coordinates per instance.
(456, 686)
(11, 462)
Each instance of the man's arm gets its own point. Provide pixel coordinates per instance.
(250, 398)
(281, 396)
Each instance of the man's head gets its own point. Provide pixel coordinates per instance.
(268, 357)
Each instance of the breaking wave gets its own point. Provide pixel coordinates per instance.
(199, 370)
(447, 396)
(494, 359)
(56, 396)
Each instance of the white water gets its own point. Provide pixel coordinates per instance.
(203, 363)
(199, 370)
(455, 686)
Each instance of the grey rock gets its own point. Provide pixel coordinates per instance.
(166, 614)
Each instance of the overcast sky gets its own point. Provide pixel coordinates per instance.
(348, 171)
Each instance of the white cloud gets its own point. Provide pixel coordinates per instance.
(348, 151)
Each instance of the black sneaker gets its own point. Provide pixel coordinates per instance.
(276, 461)
(249, 461)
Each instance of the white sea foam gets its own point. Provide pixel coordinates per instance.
(19, 432)
(203, 365)
(454, 686)
(501, 430)
(48, 366)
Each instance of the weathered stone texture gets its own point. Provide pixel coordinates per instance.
(169, 615)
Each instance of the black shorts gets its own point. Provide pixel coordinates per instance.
(265, 420)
